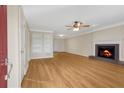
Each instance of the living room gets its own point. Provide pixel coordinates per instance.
(62, 46)
(92, 36)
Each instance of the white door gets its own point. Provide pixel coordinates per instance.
(22, 43)
(23, 54)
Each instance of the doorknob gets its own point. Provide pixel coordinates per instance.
(9, 72)
(10, 69)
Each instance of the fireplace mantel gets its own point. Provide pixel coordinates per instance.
(120, 42)
(109, 41)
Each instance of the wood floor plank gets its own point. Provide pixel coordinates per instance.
(67, 70)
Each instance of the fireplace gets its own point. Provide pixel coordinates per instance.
(107, 51)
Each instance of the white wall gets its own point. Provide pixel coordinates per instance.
(85, 44)
(59, 45)
(17, 25)
(41, 45)
(79, 45)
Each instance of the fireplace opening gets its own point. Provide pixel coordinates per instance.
(107, 51)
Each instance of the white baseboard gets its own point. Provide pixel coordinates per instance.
(42, 57)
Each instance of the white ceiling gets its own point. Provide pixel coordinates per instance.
(55, 17)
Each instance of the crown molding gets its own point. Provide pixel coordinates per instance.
(110, 26)
(41, 30)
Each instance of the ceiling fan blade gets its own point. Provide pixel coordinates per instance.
(69, 26)
(68, 29)
(85, 26)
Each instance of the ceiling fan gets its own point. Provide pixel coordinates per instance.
(77, 25)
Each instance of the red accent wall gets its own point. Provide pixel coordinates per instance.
(3, 45)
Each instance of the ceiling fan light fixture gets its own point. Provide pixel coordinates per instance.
(75, 29)
(61, 35)
(77, 25)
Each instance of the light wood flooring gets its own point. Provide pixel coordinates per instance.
(72, 71)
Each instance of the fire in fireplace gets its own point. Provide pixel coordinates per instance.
(108, 51)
